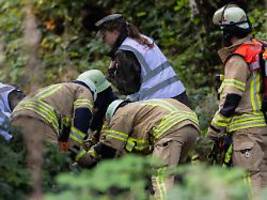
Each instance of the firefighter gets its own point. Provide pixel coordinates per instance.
(138, 67)
(240, 106)
(10, 97)
(60, 114)
(165, 128)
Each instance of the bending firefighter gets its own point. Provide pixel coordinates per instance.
(60, 114)
(167, 129)
(241, 106)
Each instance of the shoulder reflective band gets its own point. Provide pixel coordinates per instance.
(48, 91)
(160, 179)
(172, 119)
(161, 103)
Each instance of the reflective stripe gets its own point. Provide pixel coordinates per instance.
(116, 135)
(80, 155)
(160, 183)
(255, 91)
(83, 103)
(77, 135)
(137, 144)
(247, 120)
(48, 91)
(220, 120)
(170, 120)
(235, 83)
(138, 55)
(147, 92)
(43, 109)
(156, 71)
(228, 156)
(174, 117)
(149, 74)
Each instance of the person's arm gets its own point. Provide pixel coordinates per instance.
(112, 142)
(125, 72)
(82, 115)
(232, 88)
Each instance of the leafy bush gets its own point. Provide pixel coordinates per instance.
(127, 178)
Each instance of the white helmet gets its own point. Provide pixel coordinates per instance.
(231, 15)
(112, 108)
(99, 79)
(87, 81)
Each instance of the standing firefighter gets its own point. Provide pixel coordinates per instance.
(60, 114)
(9, 98)
(167, 129)
(241, 95)
(138, 68)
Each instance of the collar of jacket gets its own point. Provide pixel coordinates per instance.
(225, 52)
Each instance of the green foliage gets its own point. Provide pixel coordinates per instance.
(14, 179)
(127, 177)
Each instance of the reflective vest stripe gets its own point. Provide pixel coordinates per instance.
(139, 57)
(83, 103)
(151, 73)
(156, 71)
(160, 85)
(43, 109)
(48, 91)
(235, 83)
(77, 135)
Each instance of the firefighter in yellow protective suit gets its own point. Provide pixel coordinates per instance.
(165, 128)
(60, 114)
(240, 108)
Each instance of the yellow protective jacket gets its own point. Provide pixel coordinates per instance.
(243, 79)
(136, 127)
(56, 105)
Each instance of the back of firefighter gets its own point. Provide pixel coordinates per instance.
(240, 110)
(165, 128)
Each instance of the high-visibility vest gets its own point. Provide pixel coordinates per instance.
(158, 77)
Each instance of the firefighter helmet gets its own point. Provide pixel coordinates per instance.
(231, 15)
(86, 79)
(99, 79)
(112, 108)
